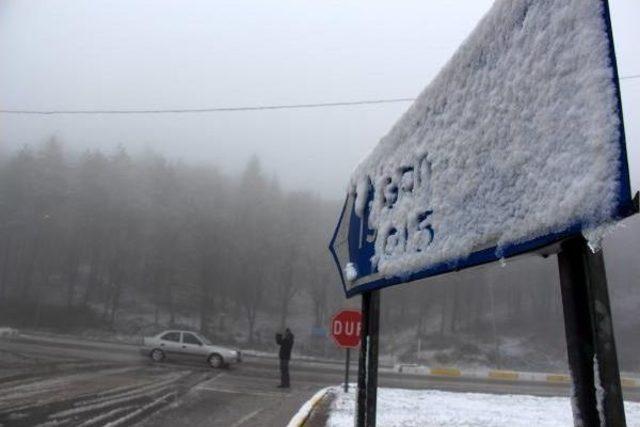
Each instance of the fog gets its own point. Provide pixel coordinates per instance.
(103, 244)
(129, 223)
(125, 55)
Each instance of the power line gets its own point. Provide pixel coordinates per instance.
(215, 109)
(234, 109)
(631, 77)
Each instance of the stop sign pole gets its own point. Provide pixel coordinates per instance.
(346, 331)
(350, 328)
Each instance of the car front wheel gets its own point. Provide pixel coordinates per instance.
(157, 355)
(216, 361)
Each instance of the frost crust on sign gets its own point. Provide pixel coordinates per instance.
(516, 138)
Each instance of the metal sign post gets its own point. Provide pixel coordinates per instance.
(346, 332)
(368, 361)
(591, 346)
(346, 370)
(372, 358)
(362, 362)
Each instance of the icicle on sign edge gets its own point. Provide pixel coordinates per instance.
(361, 246)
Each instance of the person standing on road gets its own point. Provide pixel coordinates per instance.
(286, 343)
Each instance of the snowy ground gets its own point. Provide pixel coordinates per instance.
(398, 407)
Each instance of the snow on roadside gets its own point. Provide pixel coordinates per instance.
(406, 408)
(303, 413)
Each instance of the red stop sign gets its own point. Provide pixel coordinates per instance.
(345, 328)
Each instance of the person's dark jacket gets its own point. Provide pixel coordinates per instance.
(286, 343)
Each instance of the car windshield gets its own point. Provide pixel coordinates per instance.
(204, 339)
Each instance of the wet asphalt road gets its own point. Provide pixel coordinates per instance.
(59, 381)
(55, 381)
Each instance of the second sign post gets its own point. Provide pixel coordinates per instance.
(346, 327)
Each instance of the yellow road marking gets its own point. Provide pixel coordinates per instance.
(628, 382)
(446, 372)
(558, 378)
(503, 375)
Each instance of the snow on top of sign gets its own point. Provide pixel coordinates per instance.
(517, 137)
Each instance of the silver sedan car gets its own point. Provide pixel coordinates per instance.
(174, 345)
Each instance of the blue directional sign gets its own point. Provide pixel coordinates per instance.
(352, 247)
(517, 144)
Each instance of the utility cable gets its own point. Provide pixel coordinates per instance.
(215, 109)
(234, 109)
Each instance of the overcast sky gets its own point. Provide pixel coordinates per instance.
(154, 54)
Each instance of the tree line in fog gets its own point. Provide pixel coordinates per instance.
(111, 233)
(101, 230)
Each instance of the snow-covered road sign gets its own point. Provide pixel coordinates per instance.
(516, 144)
